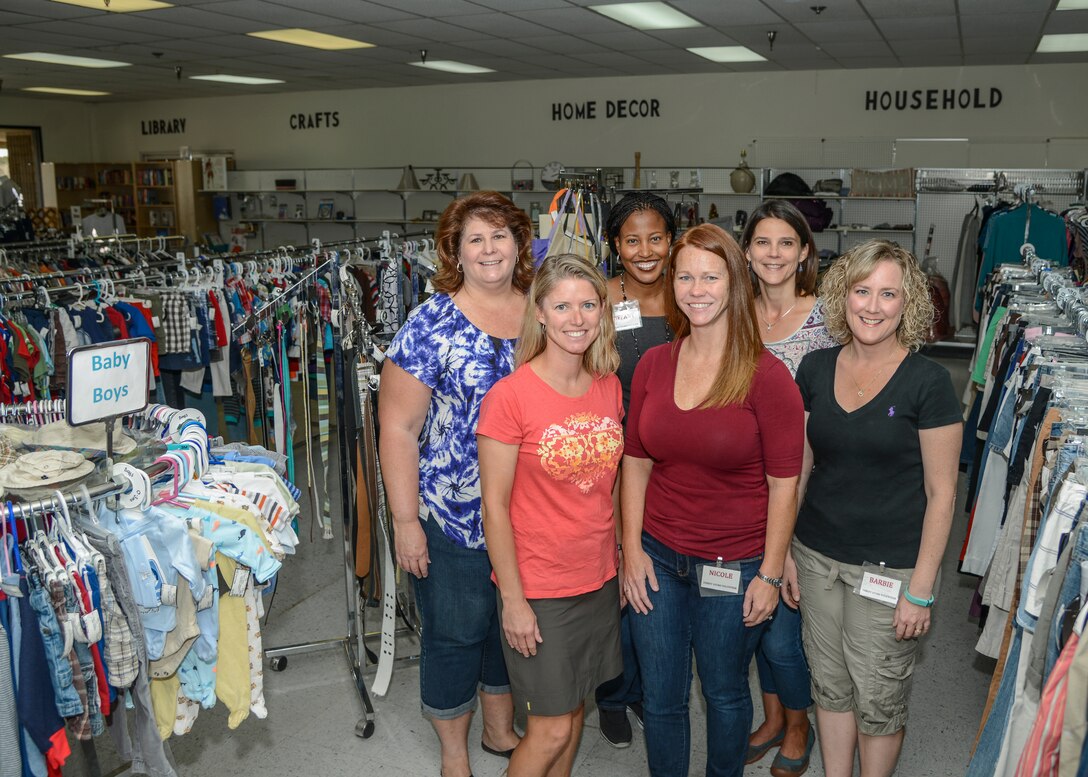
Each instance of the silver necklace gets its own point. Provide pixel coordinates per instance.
(772, 326)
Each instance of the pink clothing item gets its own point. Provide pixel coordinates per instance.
(569, 450)
(1041, 753)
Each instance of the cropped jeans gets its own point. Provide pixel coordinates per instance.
(683, 623)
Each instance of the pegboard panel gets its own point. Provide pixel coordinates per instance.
(821, 152)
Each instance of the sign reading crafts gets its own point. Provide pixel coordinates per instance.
(632, 108)
(968, 99)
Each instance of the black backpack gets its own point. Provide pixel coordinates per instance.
(816, 212)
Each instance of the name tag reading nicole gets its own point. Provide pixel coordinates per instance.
(725, 579)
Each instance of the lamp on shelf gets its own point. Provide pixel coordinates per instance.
(408, 180)
(468, 183)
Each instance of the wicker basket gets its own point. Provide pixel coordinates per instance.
(518, 172)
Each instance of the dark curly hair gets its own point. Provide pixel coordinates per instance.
(631, 204)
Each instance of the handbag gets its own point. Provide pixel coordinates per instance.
(569, 233)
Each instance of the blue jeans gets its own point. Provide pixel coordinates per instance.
(64, 691)
(1069, 595)
(783, 670)
(680, 623)
(619, 694)
(460, 650)
(984, 761)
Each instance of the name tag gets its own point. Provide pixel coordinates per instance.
(716, 580)
(627, 315)
(879, 587)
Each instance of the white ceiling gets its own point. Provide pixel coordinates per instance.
(519, 39)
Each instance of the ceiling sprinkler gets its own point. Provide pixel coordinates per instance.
(771, 35)
(818, 9)
(423, 56)
(177, 71)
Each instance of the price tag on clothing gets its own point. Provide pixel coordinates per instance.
(719, 579)
(877, 584)
(627, 315)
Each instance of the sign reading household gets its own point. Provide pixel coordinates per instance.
(630, 108)
(162, 126)
(107, 380)
(966, 99)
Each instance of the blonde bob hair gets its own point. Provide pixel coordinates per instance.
(601, 358)
(856, 265)
(742, 348)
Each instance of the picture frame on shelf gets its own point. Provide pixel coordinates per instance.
(282, 212)
(324, 209)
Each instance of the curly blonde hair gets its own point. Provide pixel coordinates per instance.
(856, 265)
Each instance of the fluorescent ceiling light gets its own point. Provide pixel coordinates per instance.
(646, 16)
(1072, 5)
(249, 80)
(65, 59)
(118, 6)
(450, 66)
(315, 40)
(61, 90)
(1057, 44)
(727, 54)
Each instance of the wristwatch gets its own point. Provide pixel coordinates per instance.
(775, 581)
(915, 600)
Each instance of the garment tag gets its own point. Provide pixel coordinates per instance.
(627, 315)
(719, 579)
(194, 322)
(240, 581)
(878, 584)
(155, 322)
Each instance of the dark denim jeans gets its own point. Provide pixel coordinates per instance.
(783, 669)
(682, 623)
(461, 650)
(619, 694)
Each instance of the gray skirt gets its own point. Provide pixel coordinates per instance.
(581, 650)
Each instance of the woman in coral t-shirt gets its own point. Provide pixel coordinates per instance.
(550, 443)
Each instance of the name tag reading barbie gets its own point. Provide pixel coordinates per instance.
(879, 587)
(627, 315)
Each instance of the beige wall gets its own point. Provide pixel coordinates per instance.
(804, 119)
(67, 126)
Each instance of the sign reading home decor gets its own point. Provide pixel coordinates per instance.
(632, 108)
(932, 99)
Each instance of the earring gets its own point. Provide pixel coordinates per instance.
(542, 328)
(459, 270)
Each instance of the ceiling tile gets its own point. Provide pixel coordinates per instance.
(1008, 25)
(932, 61)
(893, 9)
(822, 32)
(568, 19)
(558, 44)
(512, 6)
(698, 36)
(1067, 21)
(435, 8)
(865, 62)
(268, 14)
(852, 49)
(735, 12)
(998, 45)
(834, 11)
(921, 48)
(430, 29)
(981, 7)
(922, 28)
(497, 24)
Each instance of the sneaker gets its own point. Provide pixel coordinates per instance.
(615, 729)
(636, 710)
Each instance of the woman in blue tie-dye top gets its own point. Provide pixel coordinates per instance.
(451, 350)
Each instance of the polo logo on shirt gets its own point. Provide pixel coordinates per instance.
(581, 450)
(891, 411)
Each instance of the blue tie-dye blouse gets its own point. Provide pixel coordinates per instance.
(442, 349)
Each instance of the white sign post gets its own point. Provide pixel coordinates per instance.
(108, 380)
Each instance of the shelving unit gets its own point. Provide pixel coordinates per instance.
(78, 184)
(156, 213)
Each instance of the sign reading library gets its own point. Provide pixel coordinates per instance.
(108, 380)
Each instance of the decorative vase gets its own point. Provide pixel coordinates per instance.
(742, 179)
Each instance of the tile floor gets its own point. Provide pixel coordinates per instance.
(313, 707)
